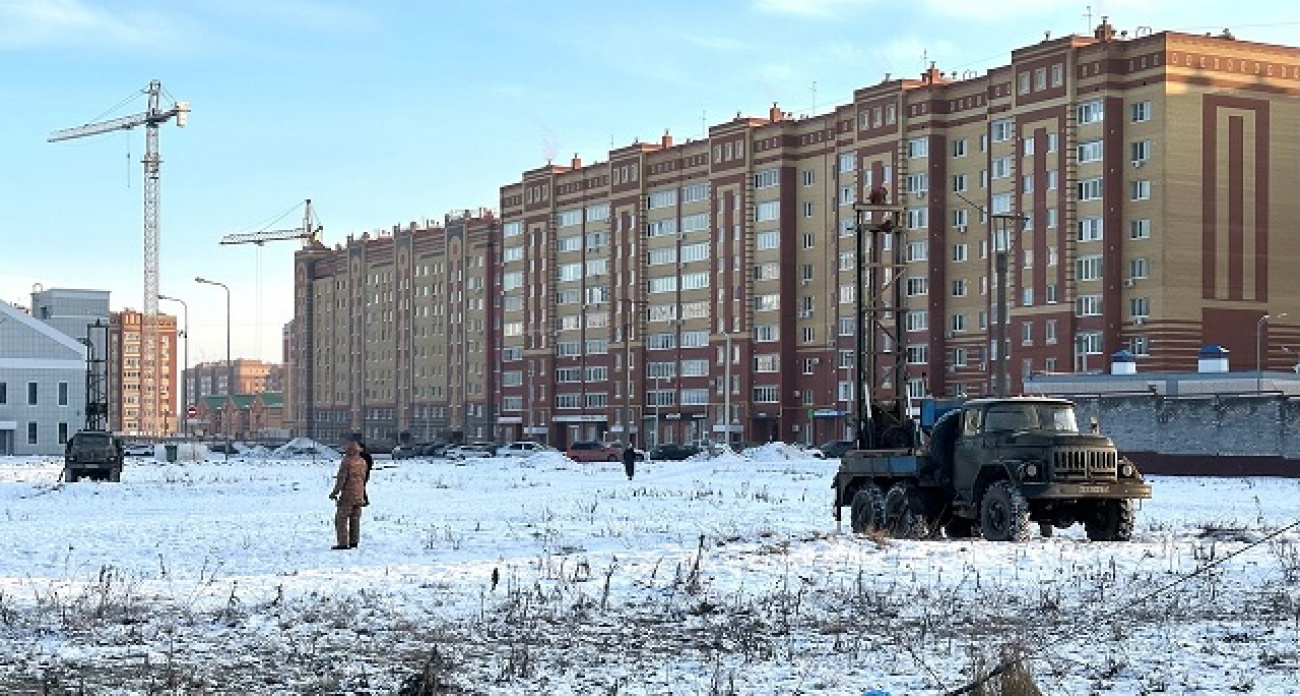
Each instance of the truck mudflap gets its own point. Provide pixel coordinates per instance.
(1093, 490)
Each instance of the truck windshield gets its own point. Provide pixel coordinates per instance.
(93, 439)
(1052, 417)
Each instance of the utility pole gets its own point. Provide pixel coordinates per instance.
(1002, 249)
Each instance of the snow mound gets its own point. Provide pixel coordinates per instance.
(778, 451)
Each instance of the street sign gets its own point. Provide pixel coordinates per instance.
(192, 411)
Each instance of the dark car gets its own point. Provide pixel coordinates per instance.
(671, 451)
(406, 451)
(836, 448)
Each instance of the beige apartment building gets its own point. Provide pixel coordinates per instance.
(133, 393)
(1142, 186)
(392, 336)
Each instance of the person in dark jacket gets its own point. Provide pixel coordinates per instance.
(629, 460)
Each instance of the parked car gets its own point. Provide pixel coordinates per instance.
(406, 451)
(434, 449)
(672, 451)
(138, 449)
(522, 448)
(591, 451)
(836, 448)
(474, 450)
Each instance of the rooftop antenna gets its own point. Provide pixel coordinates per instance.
(814, 98)
(1087, 13)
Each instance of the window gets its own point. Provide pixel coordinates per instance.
(1140, 151)
(767, 178)
(1139, 268)
(1140, 190)
(957, 323)
(1087, 306)
(918, 286)
(959, 148)
(63, 433)
(1049, 331)
(1027, 333)
(661, 199)
(692, 193)
(1090, 229)
(1140, 111)
(1002, 130)
(917, 251)
(809, 177)
(809, 209)
(767, 239)
(959, 287)
(1022, 83)
(1040, 79)
(32, 434)
(1058, 75)
(959, 252)
(767, 211)
(1090, 151)
(1001, 168)
(766, 395)
(31, 394)
(1140, 345)
(1139, 307)
(918, 147)
(1090, 189)
(63, 393)
(4, 392)
(1088, 267)
(1090, 112)
(1137, 229)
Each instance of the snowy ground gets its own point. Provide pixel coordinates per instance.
(715, 577)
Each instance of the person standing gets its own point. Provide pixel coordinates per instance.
(349, 495)
(629, 460)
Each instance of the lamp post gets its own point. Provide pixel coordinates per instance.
(1259, 361)
(185, 402)
(230, 366)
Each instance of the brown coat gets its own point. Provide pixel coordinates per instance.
(350, 484)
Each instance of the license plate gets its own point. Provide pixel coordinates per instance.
(1093, 489)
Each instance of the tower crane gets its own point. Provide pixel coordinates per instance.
(150, 119)
(309, 233)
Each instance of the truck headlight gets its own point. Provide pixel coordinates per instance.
(1030, 470)
(1126, 469)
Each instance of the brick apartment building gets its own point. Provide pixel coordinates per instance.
(392, 336)
(677, 291)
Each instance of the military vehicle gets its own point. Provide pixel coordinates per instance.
(991, 467)
(93, 454)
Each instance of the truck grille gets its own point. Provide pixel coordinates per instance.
(1085, 464)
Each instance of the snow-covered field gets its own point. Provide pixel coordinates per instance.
(542, 576)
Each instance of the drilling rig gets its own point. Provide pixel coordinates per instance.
(149, 364)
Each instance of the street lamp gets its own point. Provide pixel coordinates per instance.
(185, 402)
(230, 366)
(1259, 362)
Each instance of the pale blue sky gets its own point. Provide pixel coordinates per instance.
(388, 112)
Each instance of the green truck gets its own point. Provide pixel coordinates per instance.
(93, 454)
(991, 467)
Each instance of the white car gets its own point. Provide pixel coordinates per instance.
(522, 448)
(472, 451)
(138, 450)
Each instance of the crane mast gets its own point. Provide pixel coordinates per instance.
(150, 401)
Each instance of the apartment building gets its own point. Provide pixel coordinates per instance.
(1137, 187)
(129, 385)
(394, 334)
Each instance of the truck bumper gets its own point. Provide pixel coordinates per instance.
(1088, 490)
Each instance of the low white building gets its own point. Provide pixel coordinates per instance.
(42, 385)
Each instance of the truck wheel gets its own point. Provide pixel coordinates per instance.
(960, 528)
(900, 520)
(70, 475)
(1004, 514)
(1111, 520)
(115, 475)
(867, 510)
